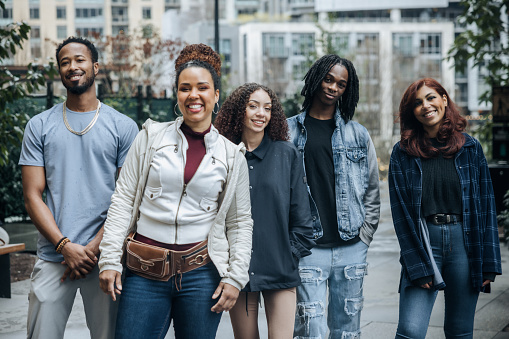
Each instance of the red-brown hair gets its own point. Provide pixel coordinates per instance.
(413, 137)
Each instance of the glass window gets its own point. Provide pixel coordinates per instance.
(430, 43)
(339, 42)
(6, 13)
(303, 43)
(61, 32)
(89, 12)
(403, 44)
(462, 93)
(274, 45)
(34, 12)
(35, 32)
(119, 14)
(89, 31)
(146, 13)
(367, 43)
(61, 12)
(35, 50)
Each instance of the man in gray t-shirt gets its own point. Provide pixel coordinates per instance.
(72, 152)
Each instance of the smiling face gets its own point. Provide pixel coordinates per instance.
(76, 68)
(429, 109)
(196, 97)
(333, 86)
(258, 112)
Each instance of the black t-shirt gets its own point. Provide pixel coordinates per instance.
(441, 188)
(320, 176)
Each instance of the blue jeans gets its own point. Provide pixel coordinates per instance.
(416, 303)
(148, 306)
(341, 270)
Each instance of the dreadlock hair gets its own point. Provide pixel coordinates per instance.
(313, 81)
(413, 137)
(199, 55)
(79, 40)
(230, 119)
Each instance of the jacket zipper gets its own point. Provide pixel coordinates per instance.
(184, 193)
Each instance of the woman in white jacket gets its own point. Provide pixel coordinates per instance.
(185, 188)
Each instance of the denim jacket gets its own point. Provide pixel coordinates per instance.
(479, 216)
(356, 178)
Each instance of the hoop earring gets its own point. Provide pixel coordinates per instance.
(175, 111)
(217, 110)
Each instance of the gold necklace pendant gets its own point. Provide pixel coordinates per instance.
(90, 125)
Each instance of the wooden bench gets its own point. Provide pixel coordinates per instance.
(5, 268)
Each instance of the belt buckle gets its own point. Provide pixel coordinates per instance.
(435, 218)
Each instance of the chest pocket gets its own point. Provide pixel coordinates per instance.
(356, 164)
(356, 154)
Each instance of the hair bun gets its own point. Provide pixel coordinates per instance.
(200, 52)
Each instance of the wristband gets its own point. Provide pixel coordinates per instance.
(61, 244)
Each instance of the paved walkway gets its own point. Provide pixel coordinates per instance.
(379, 316)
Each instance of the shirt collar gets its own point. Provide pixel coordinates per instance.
(337, 117)
(262, 148)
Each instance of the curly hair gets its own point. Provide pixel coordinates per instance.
(314, 77)
(230, 119)
(199, 55)
(93, 51)
(413, 137)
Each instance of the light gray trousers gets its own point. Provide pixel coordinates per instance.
(51, 301)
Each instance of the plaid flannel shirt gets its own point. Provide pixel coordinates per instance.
(479, 215)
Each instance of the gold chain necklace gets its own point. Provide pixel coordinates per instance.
(90, 125)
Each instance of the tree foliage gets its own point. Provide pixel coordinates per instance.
(11, 190)
(484, 41)
(140, 58)
(14, 87)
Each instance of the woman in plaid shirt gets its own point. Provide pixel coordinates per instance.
(443, 209)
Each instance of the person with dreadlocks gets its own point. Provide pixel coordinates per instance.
(342, 174)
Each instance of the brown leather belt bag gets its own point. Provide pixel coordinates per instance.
(159, 263)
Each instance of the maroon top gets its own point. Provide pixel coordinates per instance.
(173, 247)
(195, 152)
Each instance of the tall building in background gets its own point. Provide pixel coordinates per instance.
(391, 42)
(54, 20)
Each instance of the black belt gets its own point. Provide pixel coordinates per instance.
(440, 218)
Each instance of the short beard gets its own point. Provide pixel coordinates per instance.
(80, 89)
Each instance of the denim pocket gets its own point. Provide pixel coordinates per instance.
(357, 163)
(356, 154)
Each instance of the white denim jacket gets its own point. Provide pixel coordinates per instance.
(229, 239)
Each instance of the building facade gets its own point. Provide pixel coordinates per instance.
(391, 42)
